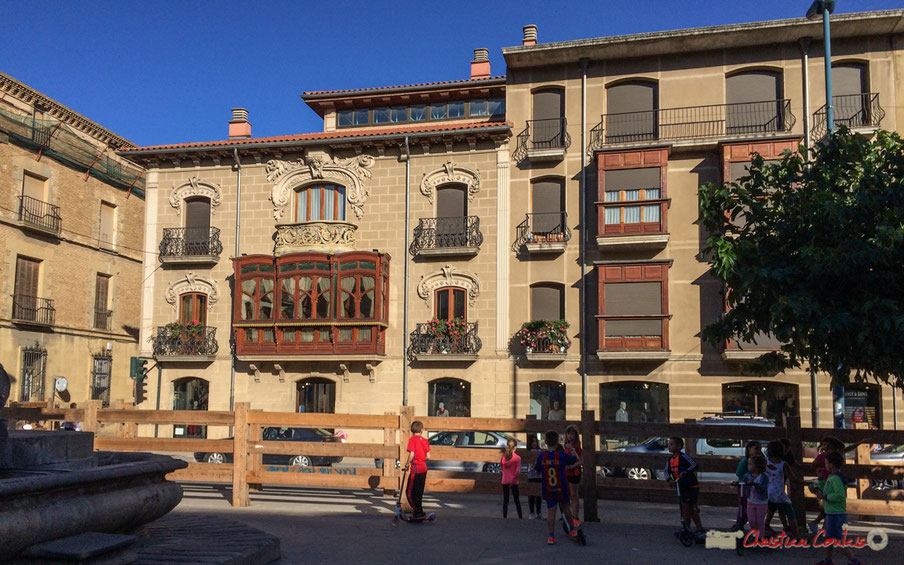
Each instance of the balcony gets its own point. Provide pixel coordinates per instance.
(543, 140)
(543, 232)
(190, 245)
(39, 216)
(325, 235)
(714, 121)
(544, 340)
(428, 346)
(103, 319)
(740, 351)
(633, 338)
(632, 225)
(33, 310)
(188, 343)
(854, 111)
(447, 236)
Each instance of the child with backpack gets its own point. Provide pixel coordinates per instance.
(682, 471)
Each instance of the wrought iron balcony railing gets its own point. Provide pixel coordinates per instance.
(103, 319)
(188, 243)
(185, 342)
(39, 214)
(693, 122)
(424, 343)
(542, 135)
(542, 227)
(852, 111)
(33, 309)
(446, 234)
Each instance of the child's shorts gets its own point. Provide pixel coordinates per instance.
(784, 508)
(552, 500)
(575, 479)
(689, 495)
(834, 526)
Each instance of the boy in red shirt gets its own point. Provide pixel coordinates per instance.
(418, 453)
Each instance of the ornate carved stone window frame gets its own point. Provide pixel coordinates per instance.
(317, 166)
(450, 173)
(448, 276)
(191, 282)
(196, 187)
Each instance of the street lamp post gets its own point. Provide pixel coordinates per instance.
(825, 8)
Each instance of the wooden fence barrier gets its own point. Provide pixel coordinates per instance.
(247, 471)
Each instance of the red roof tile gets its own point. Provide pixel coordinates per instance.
(327, 135)
(421, 84)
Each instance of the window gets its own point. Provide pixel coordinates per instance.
(633, 185)
(477, 108)
(497, 107)
(764, 399)
(456, 109)
(320, 202)
(634, 401)
(399, 115)
(34, 187)
(102, 315)
(438, 112)
(326, 303)
(850, 89)
(197, 226)
(193, 308)
(34, 364)
(107, 225)
(631, 112)
(547, 397)
(548, 207)
(547, 301)
(449, 397)
(26, 303)
(633, 306)
(190, 393)
(450, 303)
(345, 118)
(381, 115)
(418, 113)
(548, 123)
(754, 100)
(452, 216)
(360, 117)
(100, 379)
(316, 395)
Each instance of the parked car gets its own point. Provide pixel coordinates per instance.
(494, 441)
(889, 453)
(726, 447)
(284, 434)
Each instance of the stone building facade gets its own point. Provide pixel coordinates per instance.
(71, 212)
(396, 256)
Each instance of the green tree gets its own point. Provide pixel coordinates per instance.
(813, 253)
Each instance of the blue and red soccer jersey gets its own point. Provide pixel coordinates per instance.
(420, 447)
(551, 466)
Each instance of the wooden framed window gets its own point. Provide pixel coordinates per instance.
(633, 305)
(320, 202)
(193, 308)
(27, 270)
(450, 302)
(101, 302)
(631, 111)
(633, 197)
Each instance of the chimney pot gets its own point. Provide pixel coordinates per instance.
(480, 66)
(530, 35)
(239, 127)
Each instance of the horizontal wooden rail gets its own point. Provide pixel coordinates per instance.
(891, 437)
(164, 444)
(185, 417)
(311, 476)
(370, 450)
(203, 473)
(294, 420)
(649, 429)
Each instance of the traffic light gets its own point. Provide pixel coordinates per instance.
(141, 391)
(138, 368)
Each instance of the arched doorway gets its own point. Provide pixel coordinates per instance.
(317, 395)
(449, 397)
(190, 393)
(547, 400)
(634, 401)
(760, 398)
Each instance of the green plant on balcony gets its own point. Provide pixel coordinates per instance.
(544, 336)
(436, 327)
(175, 330)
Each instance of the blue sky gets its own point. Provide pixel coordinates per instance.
(169, 72)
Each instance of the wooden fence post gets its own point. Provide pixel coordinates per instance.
(862, 457)
(240, 456)
(255, 458)
(588, 441)
(795, 436)
(690, 443)
(120, 404)
(389, 440)
(89, 420)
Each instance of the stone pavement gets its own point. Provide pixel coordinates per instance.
(317, 525)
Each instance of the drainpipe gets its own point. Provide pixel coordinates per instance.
(238, 216)
(805, 49)
(159, 379)
(405, 292)
(583, 201)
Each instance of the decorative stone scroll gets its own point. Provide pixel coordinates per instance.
(191, 283)
(350, 173)
(448, 276)
(322, 236)
(450, 173)
(196, 187)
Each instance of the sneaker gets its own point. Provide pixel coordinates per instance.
(550, 540)
(700, 534)
(576, 522)
(540, 517)
(418, 516)
(573, 533)
(532, 515)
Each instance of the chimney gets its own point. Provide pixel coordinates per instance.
(239, 126)
(530, 35)
(480, 66)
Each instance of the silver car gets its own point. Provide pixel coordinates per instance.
(888, 453)
(494, 441)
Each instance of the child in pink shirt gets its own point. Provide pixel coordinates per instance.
(511, 468)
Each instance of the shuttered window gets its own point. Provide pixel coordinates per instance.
(849, 86)
(197, 213)
(548, 104)
(548, 125)
(849, 78)
(33, 187)
(630, 109)
(634, 299)
(753, 102)
(27, 277)
(634, 305)
(547, 302)
(547, 204)
(107, 225)
(626, 185)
